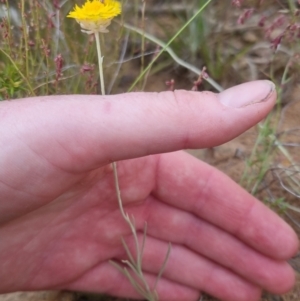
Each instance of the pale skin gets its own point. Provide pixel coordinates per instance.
(59, 218)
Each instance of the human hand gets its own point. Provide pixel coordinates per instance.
(59, 220)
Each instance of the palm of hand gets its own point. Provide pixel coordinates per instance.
(77, 231)
(75, 235)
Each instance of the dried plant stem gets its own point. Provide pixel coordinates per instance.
(124, 215)
(135, 265)
(173, 55)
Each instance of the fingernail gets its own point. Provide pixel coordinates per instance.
(247, 94)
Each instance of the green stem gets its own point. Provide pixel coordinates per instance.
(100, 62)
(24, 25)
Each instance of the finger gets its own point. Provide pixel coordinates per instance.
(193, 270)
(90, 130)
(191, 185)
(183, 228)
(105, 278)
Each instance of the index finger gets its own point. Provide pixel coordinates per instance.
(189, 184)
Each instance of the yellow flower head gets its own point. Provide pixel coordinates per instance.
(96, 15)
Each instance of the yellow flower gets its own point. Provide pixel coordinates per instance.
(95, 15)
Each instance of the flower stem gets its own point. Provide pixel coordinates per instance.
(114, 164)
(135, 265)
(100, 62)
(124, 215)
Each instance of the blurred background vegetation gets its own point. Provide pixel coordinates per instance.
(238, 44)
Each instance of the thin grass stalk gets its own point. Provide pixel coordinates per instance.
(173, 55)
(140, 259)
(143, 36)
(163, 267)
(169, 43)
(24, 25)
(9, 28)
(128, 253)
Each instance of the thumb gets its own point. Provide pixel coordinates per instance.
(139, 124)
(95, 130)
